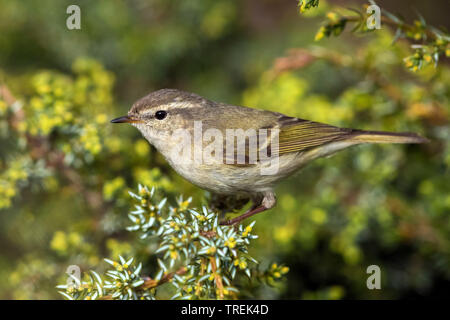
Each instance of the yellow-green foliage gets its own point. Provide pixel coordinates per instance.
(65, 171)
(198, 258)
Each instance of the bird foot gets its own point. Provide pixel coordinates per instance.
(237, 220)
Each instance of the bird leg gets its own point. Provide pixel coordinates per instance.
(248, 214)
(268, 201)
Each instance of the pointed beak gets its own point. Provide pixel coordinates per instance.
(125, 119)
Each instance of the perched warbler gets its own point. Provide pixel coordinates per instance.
(239, 151)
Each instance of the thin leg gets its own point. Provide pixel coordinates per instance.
(246, 215)
(265, 202)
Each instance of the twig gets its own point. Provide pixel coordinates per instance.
(217, 277)
(152, 283)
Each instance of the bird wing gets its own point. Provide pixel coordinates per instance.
(294, 135)
(299, 135)
(289, 133)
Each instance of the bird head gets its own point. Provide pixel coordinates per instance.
(161, 112)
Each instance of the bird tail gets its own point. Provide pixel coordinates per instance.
(362, 136)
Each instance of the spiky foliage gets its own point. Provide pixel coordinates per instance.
(197, 256)
(429, 44)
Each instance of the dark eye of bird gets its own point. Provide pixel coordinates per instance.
(161, 114)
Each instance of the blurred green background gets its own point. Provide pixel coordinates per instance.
(65, 170)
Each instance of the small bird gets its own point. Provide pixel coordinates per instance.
(163, 113)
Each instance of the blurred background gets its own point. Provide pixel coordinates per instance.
(65, 170)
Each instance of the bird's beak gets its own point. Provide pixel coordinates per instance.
(125, 119)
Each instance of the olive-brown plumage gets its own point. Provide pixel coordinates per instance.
(162, 113)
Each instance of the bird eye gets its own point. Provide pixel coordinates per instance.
(161, 114)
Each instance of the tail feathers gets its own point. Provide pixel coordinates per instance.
(387, 137)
